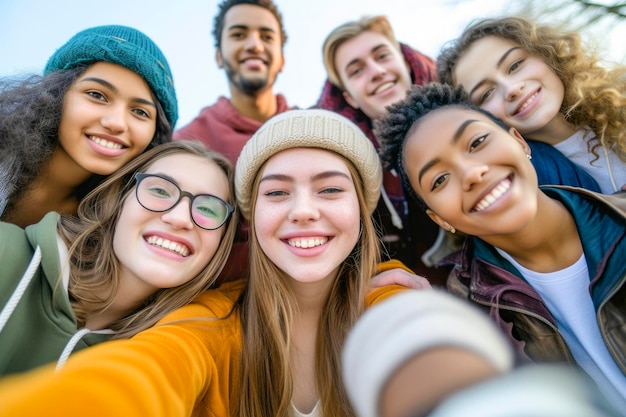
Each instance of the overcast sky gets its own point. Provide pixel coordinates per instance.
(31, 30)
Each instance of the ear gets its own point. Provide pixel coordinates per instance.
(282, 61)
(350, 100)
(441, 222)
(218, 59)
(518, 136)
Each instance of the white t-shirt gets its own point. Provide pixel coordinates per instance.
(566, 294)
(608, 170)
(316, 412)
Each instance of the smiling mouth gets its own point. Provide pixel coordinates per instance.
(384, 87)
(306, 243)
(175, 247)
(493, 196)
(105, 143)
(527, 103)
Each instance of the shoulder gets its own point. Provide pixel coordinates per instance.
(377, 295)
(215, 303)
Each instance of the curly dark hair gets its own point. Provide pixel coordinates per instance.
(403, 118)
(218, 21)
(30, 114)
(595, 97)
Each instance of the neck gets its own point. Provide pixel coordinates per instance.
(128, 298)
(550, 243)
(554, 132)
(260, 106)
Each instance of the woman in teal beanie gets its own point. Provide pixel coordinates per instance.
(105, 97)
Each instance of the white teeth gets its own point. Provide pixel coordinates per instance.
(527, 103)
(384, 87)
(105, 143)
(493, 195)
(307, 243)
(169, 245)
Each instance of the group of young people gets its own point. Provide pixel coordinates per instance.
(232, 291)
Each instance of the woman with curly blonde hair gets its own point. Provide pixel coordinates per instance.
(544, 82)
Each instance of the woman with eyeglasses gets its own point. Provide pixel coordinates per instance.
(308, 182)
(145, 242)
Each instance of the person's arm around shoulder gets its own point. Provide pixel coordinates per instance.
(394, 272)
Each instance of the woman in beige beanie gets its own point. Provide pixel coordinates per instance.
(308, 182)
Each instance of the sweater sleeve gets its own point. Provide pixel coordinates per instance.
(165, 371)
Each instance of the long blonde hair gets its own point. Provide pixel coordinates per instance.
(595, 96)
(94, 268)
(267, 310)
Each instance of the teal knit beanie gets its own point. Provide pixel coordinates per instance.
(124, 46)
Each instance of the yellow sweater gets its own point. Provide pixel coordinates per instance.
(187, 365)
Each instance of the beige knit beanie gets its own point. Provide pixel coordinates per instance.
(310, 128)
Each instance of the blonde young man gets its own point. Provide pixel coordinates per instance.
(368, 69)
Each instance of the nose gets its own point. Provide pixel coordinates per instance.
(513, 90)
(376, 71)
(179, 216)
(473, 174)
(114, 119)
(253, 42)
(303, 209)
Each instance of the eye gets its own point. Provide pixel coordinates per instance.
(158, 191)
(354, 71)
(142, 113)
(477, 142)
(276, 193)
(97, 95)
(515, 65)
(331, 190)
(439, 181)
(484, 96)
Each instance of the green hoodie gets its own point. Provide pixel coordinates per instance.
(43, 322)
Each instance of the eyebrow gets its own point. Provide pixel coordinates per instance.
(498, 65)
(316, 177)
(113, 88)
(246, 27)
(455, 138)
(373, 50)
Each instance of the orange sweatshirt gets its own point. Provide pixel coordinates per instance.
(187, 365)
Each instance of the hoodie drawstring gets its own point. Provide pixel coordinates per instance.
(10, 306)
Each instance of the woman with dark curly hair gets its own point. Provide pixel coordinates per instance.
(544, 82)
(105, 96)
(547, 263)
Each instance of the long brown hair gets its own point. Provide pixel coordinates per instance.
(268, 307)
(94, 268)
(595, 96)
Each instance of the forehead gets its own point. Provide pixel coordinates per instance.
(484, 54)
(250, 16)
(440, 126)
(360, 46)
(197, 173)
(301, 159)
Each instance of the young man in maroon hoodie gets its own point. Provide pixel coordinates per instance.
(249, 39)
